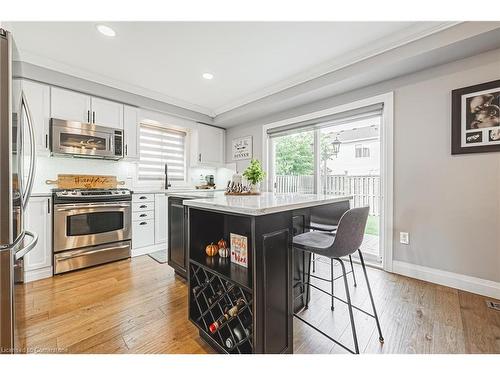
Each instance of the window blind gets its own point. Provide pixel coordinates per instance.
(160, 146)
(321, 122)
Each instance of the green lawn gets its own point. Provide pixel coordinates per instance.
(372, 225)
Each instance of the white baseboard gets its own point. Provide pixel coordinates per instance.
(148, 249)
(42, 273)
(454, 280)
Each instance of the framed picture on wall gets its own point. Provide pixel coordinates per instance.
(242, 148)
(475, 117)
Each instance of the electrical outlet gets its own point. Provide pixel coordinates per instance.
(404, 238)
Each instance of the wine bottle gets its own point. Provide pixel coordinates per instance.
(233, 311)
(219, 292)
(215, 325)
(229, 343)
(239, 334)
(199, 288)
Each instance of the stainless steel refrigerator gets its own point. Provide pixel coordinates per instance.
(17, 166)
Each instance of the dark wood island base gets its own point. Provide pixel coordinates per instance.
(269, 290)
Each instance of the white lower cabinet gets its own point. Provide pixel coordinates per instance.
(149, 223)
(160, 218)
(143, 233)
(38, 219)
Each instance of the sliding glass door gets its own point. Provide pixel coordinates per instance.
(294, 162)
(350, 165)
(338, 155)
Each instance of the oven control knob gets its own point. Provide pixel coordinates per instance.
(73, 193)
(64, 193)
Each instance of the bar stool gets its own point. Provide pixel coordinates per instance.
(344, 242)
(326, 219)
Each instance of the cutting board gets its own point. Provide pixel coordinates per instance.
(84, 181)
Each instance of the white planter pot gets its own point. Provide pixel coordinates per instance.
(255, 188)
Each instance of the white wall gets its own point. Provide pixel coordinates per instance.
(47, 168)
(449, 204)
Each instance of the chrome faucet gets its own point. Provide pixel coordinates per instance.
(167, 184)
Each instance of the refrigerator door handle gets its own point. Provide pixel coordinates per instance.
(25, 250)
(31, 130)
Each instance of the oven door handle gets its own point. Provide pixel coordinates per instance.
(104, 205)
(83, 253)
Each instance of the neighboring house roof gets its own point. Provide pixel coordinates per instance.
(357, 134)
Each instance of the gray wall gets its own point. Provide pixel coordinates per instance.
(449, 204)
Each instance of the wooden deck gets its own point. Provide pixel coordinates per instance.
(139, 306)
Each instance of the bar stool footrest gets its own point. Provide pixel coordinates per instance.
(324, 334)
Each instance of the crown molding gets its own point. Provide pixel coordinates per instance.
(48, 63)
(410, 34)
(463, 40)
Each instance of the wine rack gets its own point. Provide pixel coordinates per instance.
(210, 298)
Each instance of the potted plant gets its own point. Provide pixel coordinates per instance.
(254, 174)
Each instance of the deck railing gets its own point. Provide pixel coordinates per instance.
(365, 189)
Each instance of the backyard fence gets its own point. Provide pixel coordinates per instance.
(365, 189)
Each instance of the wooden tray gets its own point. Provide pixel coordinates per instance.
(247, 193)
(83, 181)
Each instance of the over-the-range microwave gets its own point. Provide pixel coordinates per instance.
(78, 139)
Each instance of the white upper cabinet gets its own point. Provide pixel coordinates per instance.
(75, 106)
(131, 132)
(207, 145)
(38, 98)
(70, 105)
(107, 113)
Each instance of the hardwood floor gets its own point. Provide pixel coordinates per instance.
(139, 306)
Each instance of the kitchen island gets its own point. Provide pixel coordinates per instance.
(177, 257)
(269, 287)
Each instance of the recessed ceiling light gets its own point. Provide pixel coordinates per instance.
(106, 30)
(208, 75)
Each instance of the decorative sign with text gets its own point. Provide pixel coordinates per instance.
(239, 249)
(242, 148)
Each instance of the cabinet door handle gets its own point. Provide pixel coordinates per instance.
(143, 215)
(126, 150)
(93, 117)
(46, 141)
(143, 206)
(48, 206)
(199, 157)
(142, 223)
(143, 197)
(88, 116)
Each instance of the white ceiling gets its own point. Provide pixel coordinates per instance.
(165, 60)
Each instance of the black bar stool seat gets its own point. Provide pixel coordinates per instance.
(315, 242)
(346, 240)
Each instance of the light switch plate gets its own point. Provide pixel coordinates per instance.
(404, 238)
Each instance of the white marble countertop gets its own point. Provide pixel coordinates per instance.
(170, 190)
(195, 194)
(266, 203)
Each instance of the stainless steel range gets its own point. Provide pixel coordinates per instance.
(91, 227)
